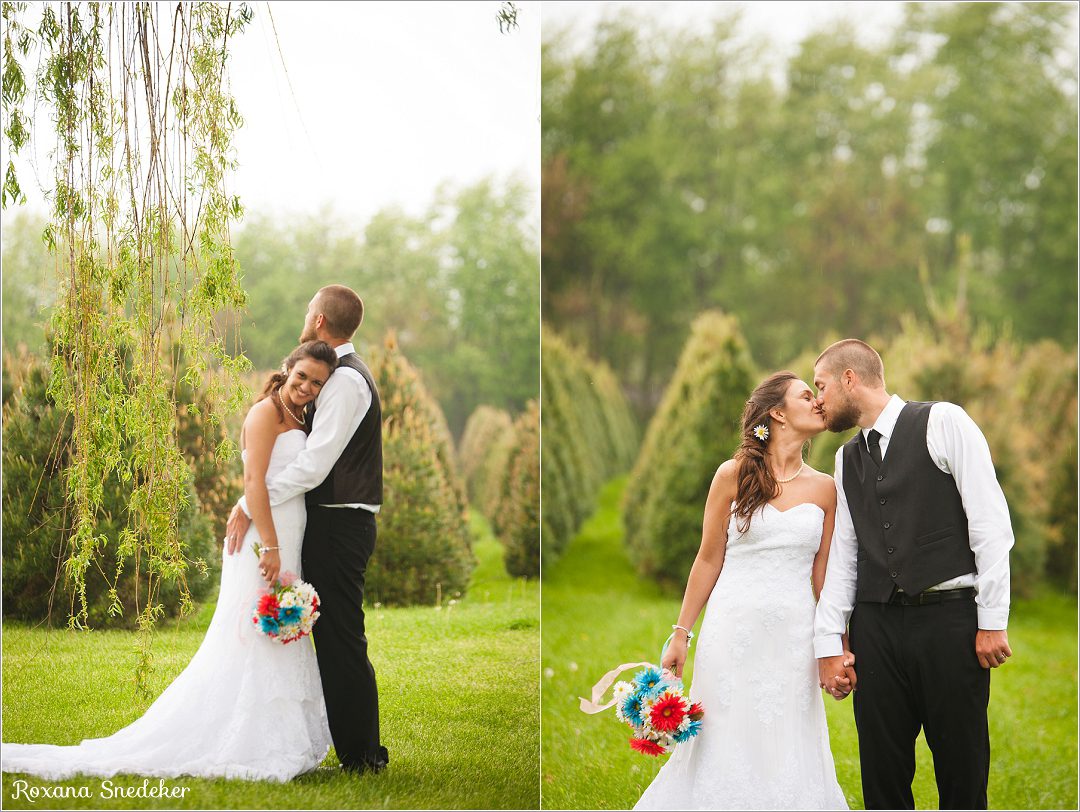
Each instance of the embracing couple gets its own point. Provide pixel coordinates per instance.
(246, 707)
(906, 552)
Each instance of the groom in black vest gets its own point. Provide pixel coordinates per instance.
(340, 469)
(918, 576)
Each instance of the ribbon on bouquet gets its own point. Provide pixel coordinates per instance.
(608, 680)
(601, 687)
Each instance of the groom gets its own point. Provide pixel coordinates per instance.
(341, 471)
(919, 575)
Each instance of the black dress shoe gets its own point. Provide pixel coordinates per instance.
(375, 765)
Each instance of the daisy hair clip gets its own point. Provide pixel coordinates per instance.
(761, 431)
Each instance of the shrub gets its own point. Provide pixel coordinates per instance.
(694, 430)
(517, 522)
(423, 547)
(589, 435)
(36, 440)
(486, 431)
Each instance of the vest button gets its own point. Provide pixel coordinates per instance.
(881, 501)
(880, 477)
(891, 550)
(887, 525)
(893, 574)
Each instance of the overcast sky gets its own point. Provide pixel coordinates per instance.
(387, 101)
(390, 99)
(782, 22)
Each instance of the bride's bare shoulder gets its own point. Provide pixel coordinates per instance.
(824, 488)
(726, 477)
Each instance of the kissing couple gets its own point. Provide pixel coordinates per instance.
(246, 707)
(905, 550)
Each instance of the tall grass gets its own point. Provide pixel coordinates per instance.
(458, 699)
(598, 613)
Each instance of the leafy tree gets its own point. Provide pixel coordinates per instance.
(517, 522)
(37, 452)
(695, 429)
(589, 436)
(483, 454)
(424, 547)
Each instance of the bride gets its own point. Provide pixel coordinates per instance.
(765, 544)
(245, 706)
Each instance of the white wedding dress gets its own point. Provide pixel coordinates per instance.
(245, 706)
(764, 743)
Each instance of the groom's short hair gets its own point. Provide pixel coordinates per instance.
(342, 309)
(858, 356)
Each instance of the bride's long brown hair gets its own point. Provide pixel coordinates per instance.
(755, 483)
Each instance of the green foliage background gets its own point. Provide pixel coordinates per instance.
(36, 453)
(589, 433)
(695, 429)
(517, 519)
(680, 175)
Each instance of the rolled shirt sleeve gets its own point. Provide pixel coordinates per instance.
(342, 404)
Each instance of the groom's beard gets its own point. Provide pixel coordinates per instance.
(842, 417)
(307, 335)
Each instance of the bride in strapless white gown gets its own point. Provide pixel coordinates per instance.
(764, 743)
(245, 706)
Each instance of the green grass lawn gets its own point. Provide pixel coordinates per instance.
(598, 613)
(458, 700)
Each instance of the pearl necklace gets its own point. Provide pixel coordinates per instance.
(799, 471)
(286, 408)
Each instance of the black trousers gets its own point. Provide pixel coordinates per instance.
(337, 545)
(917, 668)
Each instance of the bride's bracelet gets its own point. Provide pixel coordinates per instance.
(689, 634)
(267, 549)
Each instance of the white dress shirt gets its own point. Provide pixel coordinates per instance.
(957, 447)
(340, 408)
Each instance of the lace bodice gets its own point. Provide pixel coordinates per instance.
(775, 554)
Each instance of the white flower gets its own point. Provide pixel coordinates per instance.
(622, 690)
(761, 431)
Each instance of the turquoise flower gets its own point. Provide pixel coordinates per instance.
(632, 709)
(692, 730)
(650, 681)
(269, 625)
(289, 615)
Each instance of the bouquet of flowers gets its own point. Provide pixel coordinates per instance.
(657, 711)
(652, 704)
(287, 610)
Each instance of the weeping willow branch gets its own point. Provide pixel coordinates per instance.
(140, 232)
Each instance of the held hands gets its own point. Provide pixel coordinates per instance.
(236, 529)
(837, 674)
(992, 648)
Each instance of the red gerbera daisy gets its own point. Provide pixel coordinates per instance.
(647, 747)
(696, 712)
(268, 604)
(667, 713)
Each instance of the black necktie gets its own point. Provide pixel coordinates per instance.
(872, 442)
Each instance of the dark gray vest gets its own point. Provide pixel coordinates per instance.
(357, 475)
(908, 515)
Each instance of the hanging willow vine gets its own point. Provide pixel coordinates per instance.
(139, 229)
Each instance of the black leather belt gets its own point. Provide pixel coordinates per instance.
(938, 596)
